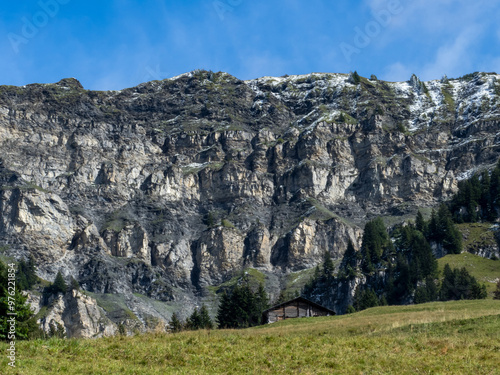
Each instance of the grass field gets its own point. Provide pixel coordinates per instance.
(486, 271)
(477, 235)
(437, 338)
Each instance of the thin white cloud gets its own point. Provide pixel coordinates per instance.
(436, 16)
(454, 58)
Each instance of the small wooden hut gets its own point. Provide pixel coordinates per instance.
(296, 308)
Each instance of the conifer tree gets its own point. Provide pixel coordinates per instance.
(26, 274)
(59, 285)
(496, 293)
(447, 233)
(242, 308)
(422, 258)
(447, 283)
(261, 302)
(485, 199)
(356, 78)
(399, 283)
(365, 298)
(433, 234)
(375, 240)
(350, 310)
(495, 190)
(205, 320)
(194, 321)
(328, 266)
(349, 261)
(420, 223)
(225, 316)
(175, 323)
(74, 285)
(427, 292)
(459, 284)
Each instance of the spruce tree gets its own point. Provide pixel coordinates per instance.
(205, 320)
(447, 233)
(194, 321)
(495, 191)
(420, 224)
(350, 310)
(433, 231)
(59, 285)
(496, 293)
(356, 78)
(26, 274)
(175, 323)
(242, 308)
(459, 284)
(261, 303)
(21, 279)
(365, 298)
(225, 316)
(427, 292)
(242, 301)
(375, 240)
(485, 199)
(448, 283)
(399, 282)
(349, 262)
(328, 266)
(74, 285)
(422, 257)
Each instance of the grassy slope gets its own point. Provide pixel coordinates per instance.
(440, 338)
(477, 235)
(486, 271)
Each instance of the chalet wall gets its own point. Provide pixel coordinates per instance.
(294, 309)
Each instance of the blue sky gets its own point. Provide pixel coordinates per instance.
(116, 44)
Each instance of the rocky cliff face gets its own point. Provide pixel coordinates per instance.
(169, 187)
(76, 314)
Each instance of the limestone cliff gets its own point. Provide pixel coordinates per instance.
(166, 188)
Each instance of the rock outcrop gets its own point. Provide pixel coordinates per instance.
(77, 315)
(172, 186)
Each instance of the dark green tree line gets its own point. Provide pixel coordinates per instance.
(199, 319)
(459, 284)
(242, 307)
(478, 198)
(442, 230)
(376, 242)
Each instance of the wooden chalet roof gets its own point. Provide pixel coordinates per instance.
(300, 299)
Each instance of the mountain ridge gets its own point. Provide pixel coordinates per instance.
(172, 186)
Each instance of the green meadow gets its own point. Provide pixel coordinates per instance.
(461, 337)
(486, 271)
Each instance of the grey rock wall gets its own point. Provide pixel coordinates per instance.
(172, 186)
